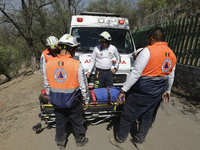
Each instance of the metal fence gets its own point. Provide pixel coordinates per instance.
(182, 36)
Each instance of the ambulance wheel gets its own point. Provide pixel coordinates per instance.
(37, 127)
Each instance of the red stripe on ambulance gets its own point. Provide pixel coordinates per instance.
(114, 61)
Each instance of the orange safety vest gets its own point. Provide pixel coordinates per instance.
(153, 82)
(47, 55)
(161, 62)
(62, 74)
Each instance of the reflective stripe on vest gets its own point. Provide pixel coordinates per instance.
(161, 61)
(47, 55)
(155, 78)
(66, 91)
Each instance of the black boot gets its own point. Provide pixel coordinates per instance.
(81, 143)
(61, 147)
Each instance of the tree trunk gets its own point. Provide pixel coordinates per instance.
(33, 59)
(32, 54)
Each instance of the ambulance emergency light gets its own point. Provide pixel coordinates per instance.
(121, 22)
(80, 19)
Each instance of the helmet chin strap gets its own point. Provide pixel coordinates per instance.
(65, 49)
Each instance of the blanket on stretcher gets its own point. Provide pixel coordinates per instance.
(104, 95)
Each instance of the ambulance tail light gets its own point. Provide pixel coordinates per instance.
(80, 19)
(121, 22)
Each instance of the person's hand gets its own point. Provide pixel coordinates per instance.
(119, 101)
(86, 106)
(88, 75)
(113, 70)
(166, 97)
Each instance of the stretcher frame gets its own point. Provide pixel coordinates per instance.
(95, 114)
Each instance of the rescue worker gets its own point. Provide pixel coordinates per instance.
(68, 83)
(102, 58)
(149, 83)
(47, 54)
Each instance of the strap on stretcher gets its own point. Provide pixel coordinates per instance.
(94, 97)
(109, 98)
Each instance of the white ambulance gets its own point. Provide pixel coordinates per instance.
(87, 27)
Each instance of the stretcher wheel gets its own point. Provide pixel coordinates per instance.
(49, 126)
(40, 115)
(37, 127)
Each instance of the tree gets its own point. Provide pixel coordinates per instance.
(147, 7)
(13, 51)
(99, 6)
(77, 6)
(23, 20)
(125, 8)
(60, 13)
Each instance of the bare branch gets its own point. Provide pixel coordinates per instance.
(2, 5)
(43, 6)
(25, 10)
(12, 21)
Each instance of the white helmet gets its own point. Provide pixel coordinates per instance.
(52, 42)
(106, 36)
(69, 40)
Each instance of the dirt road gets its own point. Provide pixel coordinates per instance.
(177, 126)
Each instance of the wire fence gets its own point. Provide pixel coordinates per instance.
(159, 17)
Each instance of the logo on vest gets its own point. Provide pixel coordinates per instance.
(60, 75)
(166, 65)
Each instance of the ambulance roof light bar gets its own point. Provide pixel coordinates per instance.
(99, 14)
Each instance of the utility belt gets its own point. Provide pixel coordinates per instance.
(103, 69)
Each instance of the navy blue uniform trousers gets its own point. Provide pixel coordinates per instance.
(134, 109)
(105, 77)
(76, 119)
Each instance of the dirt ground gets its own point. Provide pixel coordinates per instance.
(18, 102)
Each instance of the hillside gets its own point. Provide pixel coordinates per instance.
(18, 102)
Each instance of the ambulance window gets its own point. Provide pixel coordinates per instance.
(128, 44)
(88, 37)
(76, 33)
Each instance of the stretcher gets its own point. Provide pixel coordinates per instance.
(102, 106)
